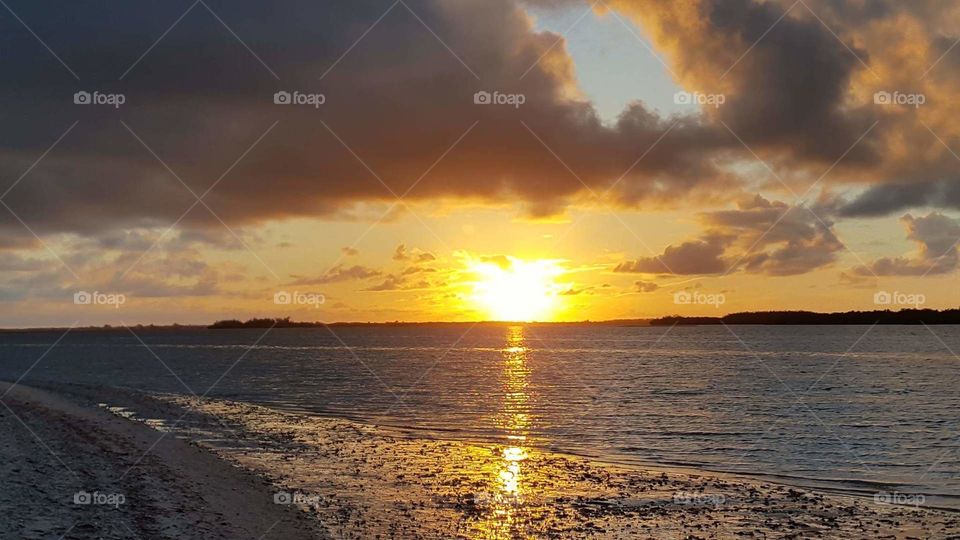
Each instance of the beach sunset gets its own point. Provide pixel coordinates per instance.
(480, 269)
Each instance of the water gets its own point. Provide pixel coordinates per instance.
(852, 408)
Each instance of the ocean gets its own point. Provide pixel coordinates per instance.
(847, 408)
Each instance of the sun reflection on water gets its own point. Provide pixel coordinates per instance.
(513, 418)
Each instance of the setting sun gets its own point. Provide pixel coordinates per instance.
(511, 289)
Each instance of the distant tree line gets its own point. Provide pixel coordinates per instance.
(904, 316)
(262, 323)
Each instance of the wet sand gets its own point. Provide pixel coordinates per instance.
(74, 471)
(353, 480)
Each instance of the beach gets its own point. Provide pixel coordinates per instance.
(72, 470)
(167, 466)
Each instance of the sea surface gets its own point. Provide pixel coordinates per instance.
(849, 408)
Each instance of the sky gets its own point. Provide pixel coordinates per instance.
(424, 160)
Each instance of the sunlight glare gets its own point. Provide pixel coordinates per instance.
(517, 290)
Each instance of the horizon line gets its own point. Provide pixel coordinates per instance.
(679, 319)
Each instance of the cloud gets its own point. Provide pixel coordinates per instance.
(787, 94)
(800, 79)
(399, 283)
(502, 261)
(338, 274)
(573, 291)
(645, 286)
(693, 257)
(349, 251)
(936, 236)
(387, 125)
(416, 255)
(11, 262)
(886, 198)
(383, 125)
(759, 237)
(417, 270)
(798, 95)
(774, 238)
(151, 287)
(174, 268)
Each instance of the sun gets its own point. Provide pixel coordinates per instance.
(511, 289)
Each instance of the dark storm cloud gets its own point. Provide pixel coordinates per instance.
(789, 89)
(799, 79)
(786, 94)
(397, 99)
(846, 14)
(395, 103)
(886, 198)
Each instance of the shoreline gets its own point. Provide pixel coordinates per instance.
(835, 487)
(832, 486)
(359, 480)
(79, 472)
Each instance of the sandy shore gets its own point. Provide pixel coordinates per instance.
(75, 471)
(352, 480)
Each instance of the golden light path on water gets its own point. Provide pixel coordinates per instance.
(507, 503)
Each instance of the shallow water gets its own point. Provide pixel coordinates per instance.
(851, 408)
